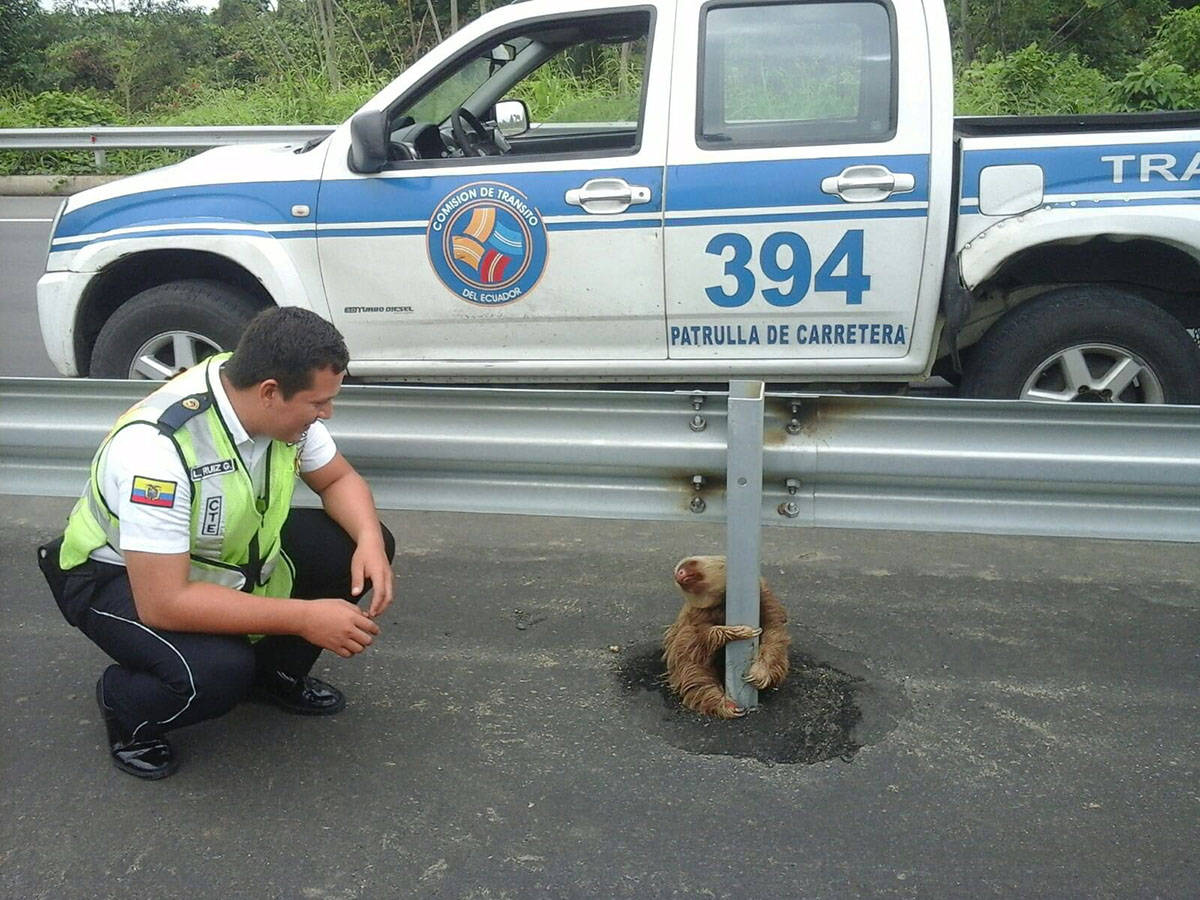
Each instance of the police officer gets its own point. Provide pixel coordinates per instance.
(184, 562)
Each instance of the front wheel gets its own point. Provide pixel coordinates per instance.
(171, 327)
(1086, 345)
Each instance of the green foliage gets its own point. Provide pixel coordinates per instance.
(284, 102)
(272, 62)
(589, 84)
(1107, 34)
(88, 62)
(56, 109)
(52, 109)
(1169, 77)
(1157, 84)
(293, 102)
(20, 42)
(1178, 39)
(135, 56)
(1032, 81)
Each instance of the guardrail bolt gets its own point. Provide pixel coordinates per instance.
(793, 427)
(698, 422)
(697, 505)
(790, 508)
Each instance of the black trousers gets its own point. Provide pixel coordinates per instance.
(163, 680)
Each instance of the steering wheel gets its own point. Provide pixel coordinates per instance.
(475, 142)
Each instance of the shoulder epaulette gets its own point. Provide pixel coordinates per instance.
(177, 414)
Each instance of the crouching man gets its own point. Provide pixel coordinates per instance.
(185, 563)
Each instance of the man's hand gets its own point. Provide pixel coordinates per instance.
(336, 625)
(348, 501)
(370, 561)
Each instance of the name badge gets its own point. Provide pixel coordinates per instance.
(210, 469)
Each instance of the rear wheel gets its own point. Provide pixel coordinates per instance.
(171, 327)
(1086, 345)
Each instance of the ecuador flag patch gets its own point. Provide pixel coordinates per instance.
(152, 492)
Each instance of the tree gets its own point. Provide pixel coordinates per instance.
(1032, 81)
(1109, 34)
(20, 42)
(324, 10)
(1169, 76)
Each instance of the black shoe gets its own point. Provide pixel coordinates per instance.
(149, 759)
(305, 696)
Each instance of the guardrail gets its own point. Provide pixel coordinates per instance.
(187, 137)
(101, 139)
(919, 464)
(998, 467)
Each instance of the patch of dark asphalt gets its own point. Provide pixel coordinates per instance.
(817, 714)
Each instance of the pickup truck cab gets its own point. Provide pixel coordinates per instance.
(773, 189)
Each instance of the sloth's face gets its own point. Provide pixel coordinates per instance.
(702, 580)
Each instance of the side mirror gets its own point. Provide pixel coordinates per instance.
(512, 117)
(368, 141)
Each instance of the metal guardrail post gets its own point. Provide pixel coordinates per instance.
(743, 531)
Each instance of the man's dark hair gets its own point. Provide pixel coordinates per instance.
(288, 344)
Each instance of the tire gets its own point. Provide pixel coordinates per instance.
(1086, 344)
(169, 327)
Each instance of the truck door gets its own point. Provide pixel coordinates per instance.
(797, 197)
(479, 252)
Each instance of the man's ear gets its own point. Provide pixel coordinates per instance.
(269, 392)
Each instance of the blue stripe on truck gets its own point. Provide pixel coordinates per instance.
(1097, 169)
(789, 182)
(366, 205)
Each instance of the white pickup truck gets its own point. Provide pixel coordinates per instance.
(778, 189)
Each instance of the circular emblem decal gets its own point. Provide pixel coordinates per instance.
(191, 403)
(487, 243)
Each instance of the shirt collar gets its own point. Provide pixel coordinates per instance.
(236, 430)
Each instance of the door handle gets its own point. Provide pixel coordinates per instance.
(607, 195)
(867, 184)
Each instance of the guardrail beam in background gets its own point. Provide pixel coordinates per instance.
(917, 464)
(189, 137)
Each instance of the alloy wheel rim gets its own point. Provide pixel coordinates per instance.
(1094, 373)
(168, 353)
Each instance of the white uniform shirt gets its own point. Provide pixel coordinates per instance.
(141, 450)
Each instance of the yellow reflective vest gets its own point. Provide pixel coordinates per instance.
(234, 533)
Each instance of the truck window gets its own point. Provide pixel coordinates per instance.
(791, 74)
(581, 79)
(586, 85)
(437, 105)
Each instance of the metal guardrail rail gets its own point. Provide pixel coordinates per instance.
(828, 461)
(188, 136)
(103, 138)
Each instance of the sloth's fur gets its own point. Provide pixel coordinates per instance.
(692, 642)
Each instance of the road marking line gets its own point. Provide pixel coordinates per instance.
(23, 221)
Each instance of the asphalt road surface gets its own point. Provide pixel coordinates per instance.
(1028, 725)
(24, 231)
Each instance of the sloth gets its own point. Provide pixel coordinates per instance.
(692, 642)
